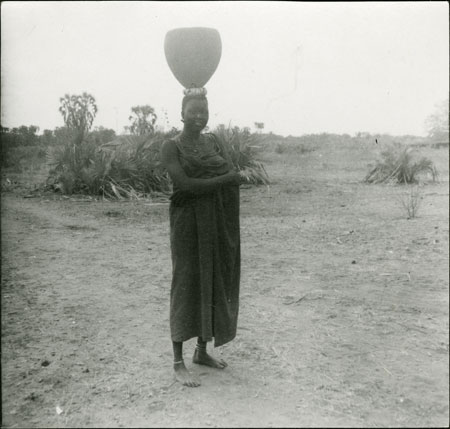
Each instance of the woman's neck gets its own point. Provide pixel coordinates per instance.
(190, 135)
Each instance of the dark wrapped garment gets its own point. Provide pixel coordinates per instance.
(205, 245)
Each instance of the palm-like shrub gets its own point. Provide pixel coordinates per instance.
(126, 167)
(143, 120)
(130, 166)
(134, 167)
(67, 161)
(242, 146)
(401, 165)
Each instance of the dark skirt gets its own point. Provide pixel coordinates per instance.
(205, 245)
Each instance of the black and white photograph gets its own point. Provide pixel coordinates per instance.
(224, 214)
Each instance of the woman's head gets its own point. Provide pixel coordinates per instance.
(194, 111)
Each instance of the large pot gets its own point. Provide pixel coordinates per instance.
(193, 54)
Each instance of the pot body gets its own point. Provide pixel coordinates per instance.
(193, 54)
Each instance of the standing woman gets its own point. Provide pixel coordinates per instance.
(204, 238)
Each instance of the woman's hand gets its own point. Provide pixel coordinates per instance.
(244, 177)
(234, 178)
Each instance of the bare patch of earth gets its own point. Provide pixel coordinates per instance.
(343, 315)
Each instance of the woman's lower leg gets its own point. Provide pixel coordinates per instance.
(201, 345)
(181, 373)
(177, 351)
(201, 357)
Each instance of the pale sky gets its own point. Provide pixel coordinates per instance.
(300, 68)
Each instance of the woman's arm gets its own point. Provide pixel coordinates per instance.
(169, 158)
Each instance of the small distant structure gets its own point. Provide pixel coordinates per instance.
(259, 126)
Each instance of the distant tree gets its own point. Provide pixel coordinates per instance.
(102, 135)
(62, 134)
(142, 120)
(363, 135)
(29, 135)
(243, 132)
(78, 112)
(17, 144)
(172, 132)
(221, 128)
(47, 138)
(21, 136)
(437, 124)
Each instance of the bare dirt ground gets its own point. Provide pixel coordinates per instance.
(343, 316)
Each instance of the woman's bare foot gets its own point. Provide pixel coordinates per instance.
(184, 376)
(203, 358)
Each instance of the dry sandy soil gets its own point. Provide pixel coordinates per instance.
(343, 315)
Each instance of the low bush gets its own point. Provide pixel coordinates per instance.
(124, 168)
(411, 201)
(293, 148)
(130, 166)
(243, 148)
(22, 158)
(400, 164)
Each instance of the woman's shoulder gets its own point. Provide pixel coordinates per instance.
(172, 141)
(210, 136)
(170, 145)
(217, 141)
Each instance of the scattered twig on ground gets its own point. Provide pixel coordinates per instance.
(328, 377)
(382, 366)
(417, 328)
(389, 372)
(296, 301)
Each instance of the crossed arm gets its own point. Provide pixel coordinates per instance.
(169, 158)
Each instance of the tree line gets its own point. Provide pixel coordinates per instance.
(78, 113)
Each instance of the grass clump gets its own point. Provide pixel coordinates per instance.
(130, 166)
(400, 164)
(243, 147)
(127, 167)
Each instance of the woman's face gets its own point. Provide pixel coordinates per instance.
(195, 115)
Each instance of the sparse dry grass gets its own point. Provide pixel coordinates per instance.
(316, 332)
(411, 200)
